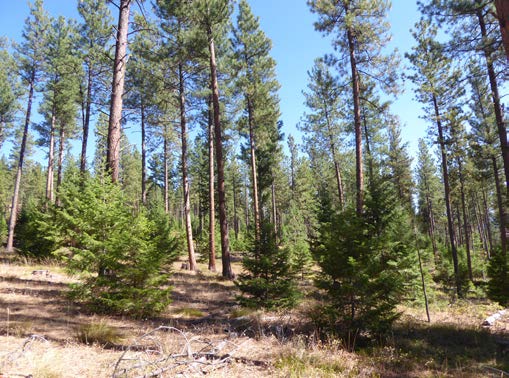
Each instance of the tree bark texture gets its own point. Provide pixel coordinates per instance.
(117, 90)
(212, 200)
(17, 184)
(185, 179)
(223, 220)
(447, 195)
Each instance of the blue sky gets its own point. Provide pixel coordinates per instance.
(289, 24)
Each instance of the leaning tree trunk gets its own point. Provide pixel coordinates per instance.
(223, 220)
(19, 171)
(357, 124)
(447, 195)
(185, 179)
(212, 200)
(117, 90)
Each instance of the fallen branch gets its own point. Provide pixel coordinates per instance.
(169, 350)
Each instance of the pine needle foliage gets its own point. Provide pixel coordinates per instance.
(364, 261)
(269, 278)
(119, 255)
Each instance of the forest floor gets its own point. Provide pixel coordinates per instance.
(204, 332)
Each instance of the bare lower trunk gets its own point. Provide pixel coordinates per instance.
(500, 204)
(60, 163)
(212, 204)
(357, 124)
(502, 132)
(117, 90)
(466, 225)
(17, 184)
(486, 218)
(274, 208)
(166, 174)
(447, 195)
(337, 169)
(223, 220)
(185, 179)
(143, 157)
(86, 124)
(51, 157)
(254, 175)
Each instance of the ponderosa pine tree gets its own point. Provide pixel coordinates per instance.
(360, 32)
(61, 70)
(257, 84)
(95, 33)
(117, 90)
(29, 55)
(211, 16)
(176, 24)
(479, 16)
(323, 125)
(484, 142)
(437, 90)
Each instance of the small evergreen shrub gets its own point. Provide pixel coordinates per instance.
(269, 280)
(498, 285)
(365, 266)
(30, 232)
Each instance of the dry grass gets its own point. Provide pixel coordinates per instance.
(262, 344)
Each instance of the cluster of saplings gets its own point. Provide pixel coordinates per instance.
(345, 226)
(362, 266)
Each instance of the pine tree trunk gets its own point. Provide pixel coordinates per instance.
(212, 204)
(274, 208)
(357, 124)
(254, 175)
(51, 158)
(166, 173)
(487, 222)
(185, 179)
(466, 226)
(223, 220)
(431, 221)
(502, 7)
(86, 124)
(17, 184)
(502, 132)
(143, 156)
(117, 90)
(447, 195)
(500, 204)
(337, 169)
(60, 162)
(235, 214)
